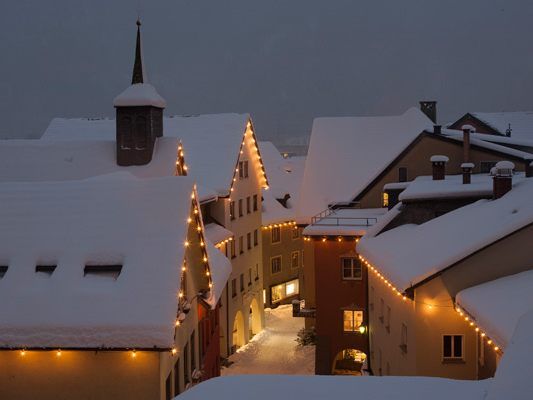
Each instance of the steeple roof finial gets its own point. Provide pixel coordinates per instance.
(138, 67)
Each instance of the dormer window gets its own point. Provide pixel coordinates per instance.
(3, 270)
(107, 271)
(46, 270)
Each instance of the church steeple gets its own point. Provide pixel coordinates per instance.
(138, 67)
(139, 115)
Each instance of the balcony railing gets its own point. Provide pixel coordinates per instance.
(330, 218)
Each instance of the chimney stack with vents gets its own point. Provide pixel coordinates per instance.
(439, 167)
(467, 172)
(430, 109)
(502, 178)
(467, 129)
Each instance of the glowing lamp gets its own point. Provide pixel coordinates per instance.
(362, 329)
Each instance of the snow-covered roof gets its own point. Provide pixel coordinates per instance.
(346, 222)
(216, 233)
(410, 253)
(424, 187)
(347, 153)
(266, 387)
(211, 142)
(272, 211)
(513, 375)
(498, 305)
(50, 160)
(503, 140)
(521, 122)
(139, 94)
(489, 145)
(109, 220)
(284, 177)
(220, 269)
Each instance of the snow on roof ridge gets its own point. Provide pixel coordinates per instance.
(482, 222)
(139, 94)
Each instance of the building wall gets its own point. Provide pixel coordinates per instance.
(309, 280)
(284, 248)
(333, 296)
(416, 160)
(237, 308)
(84, 375)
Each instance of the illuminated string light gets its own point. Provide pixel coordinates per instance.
(477, 329)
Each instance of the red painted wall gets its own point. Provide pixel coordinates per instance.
(209, 331)
(333, 294)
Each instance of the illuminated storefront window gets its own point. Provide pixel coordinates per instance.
(353, 319)
(284, 290)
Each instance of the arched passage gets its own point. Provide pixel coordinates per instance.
(238, 330)
(349, 362)
(254, 318)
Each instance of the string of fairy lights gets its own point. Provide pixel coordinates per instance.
(280, 225)
(182, 295)
(462, 313)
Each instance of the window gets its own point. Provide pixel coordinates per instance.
(256, 272)
(351, 269)
(387, 320)
(240, 208)
(284, 290)
(296, 233)
(242, 282)
(177, 389)
(295, 259)
(3, 270)
(241, 170)
(255, 202)
(402, 174)
(275, 265)
(452, 347)
(186, 369)
(486, 166)
(232, 210)
(241, 244)
(276, 234)
(249, 240)
(385, 202)
(381, 309)
(248, 205)
(233, 287)
(249, 276)
(193, 351)
(353, 319)
(256, 237)
(46, 270)
(108, 271)
(232, 245)
(246, 169)
(403, 340)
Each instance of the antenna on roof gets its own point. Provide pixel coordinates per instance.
(508, 131)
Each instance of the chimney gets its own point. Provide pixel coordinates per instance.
(439, 167)
(502, 178)
(467, 172)
(529, 168)
(466, 142)
(430, 109)
(437, 129)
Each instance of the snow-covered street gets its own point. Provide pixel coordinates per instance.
(275, 350)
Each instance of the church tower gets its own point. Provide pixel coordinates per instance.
(139, 115)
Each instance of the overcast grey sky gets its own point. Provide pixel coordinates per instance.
(284, 61)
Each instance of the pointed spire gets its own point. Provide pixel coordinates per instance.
(138, 67)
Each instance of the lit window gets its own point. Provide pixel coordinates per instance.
(290, 289)
(284, 290)
(351, 269)
(385, 199)
(452, 347)
(353, 319)
(276, 234)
